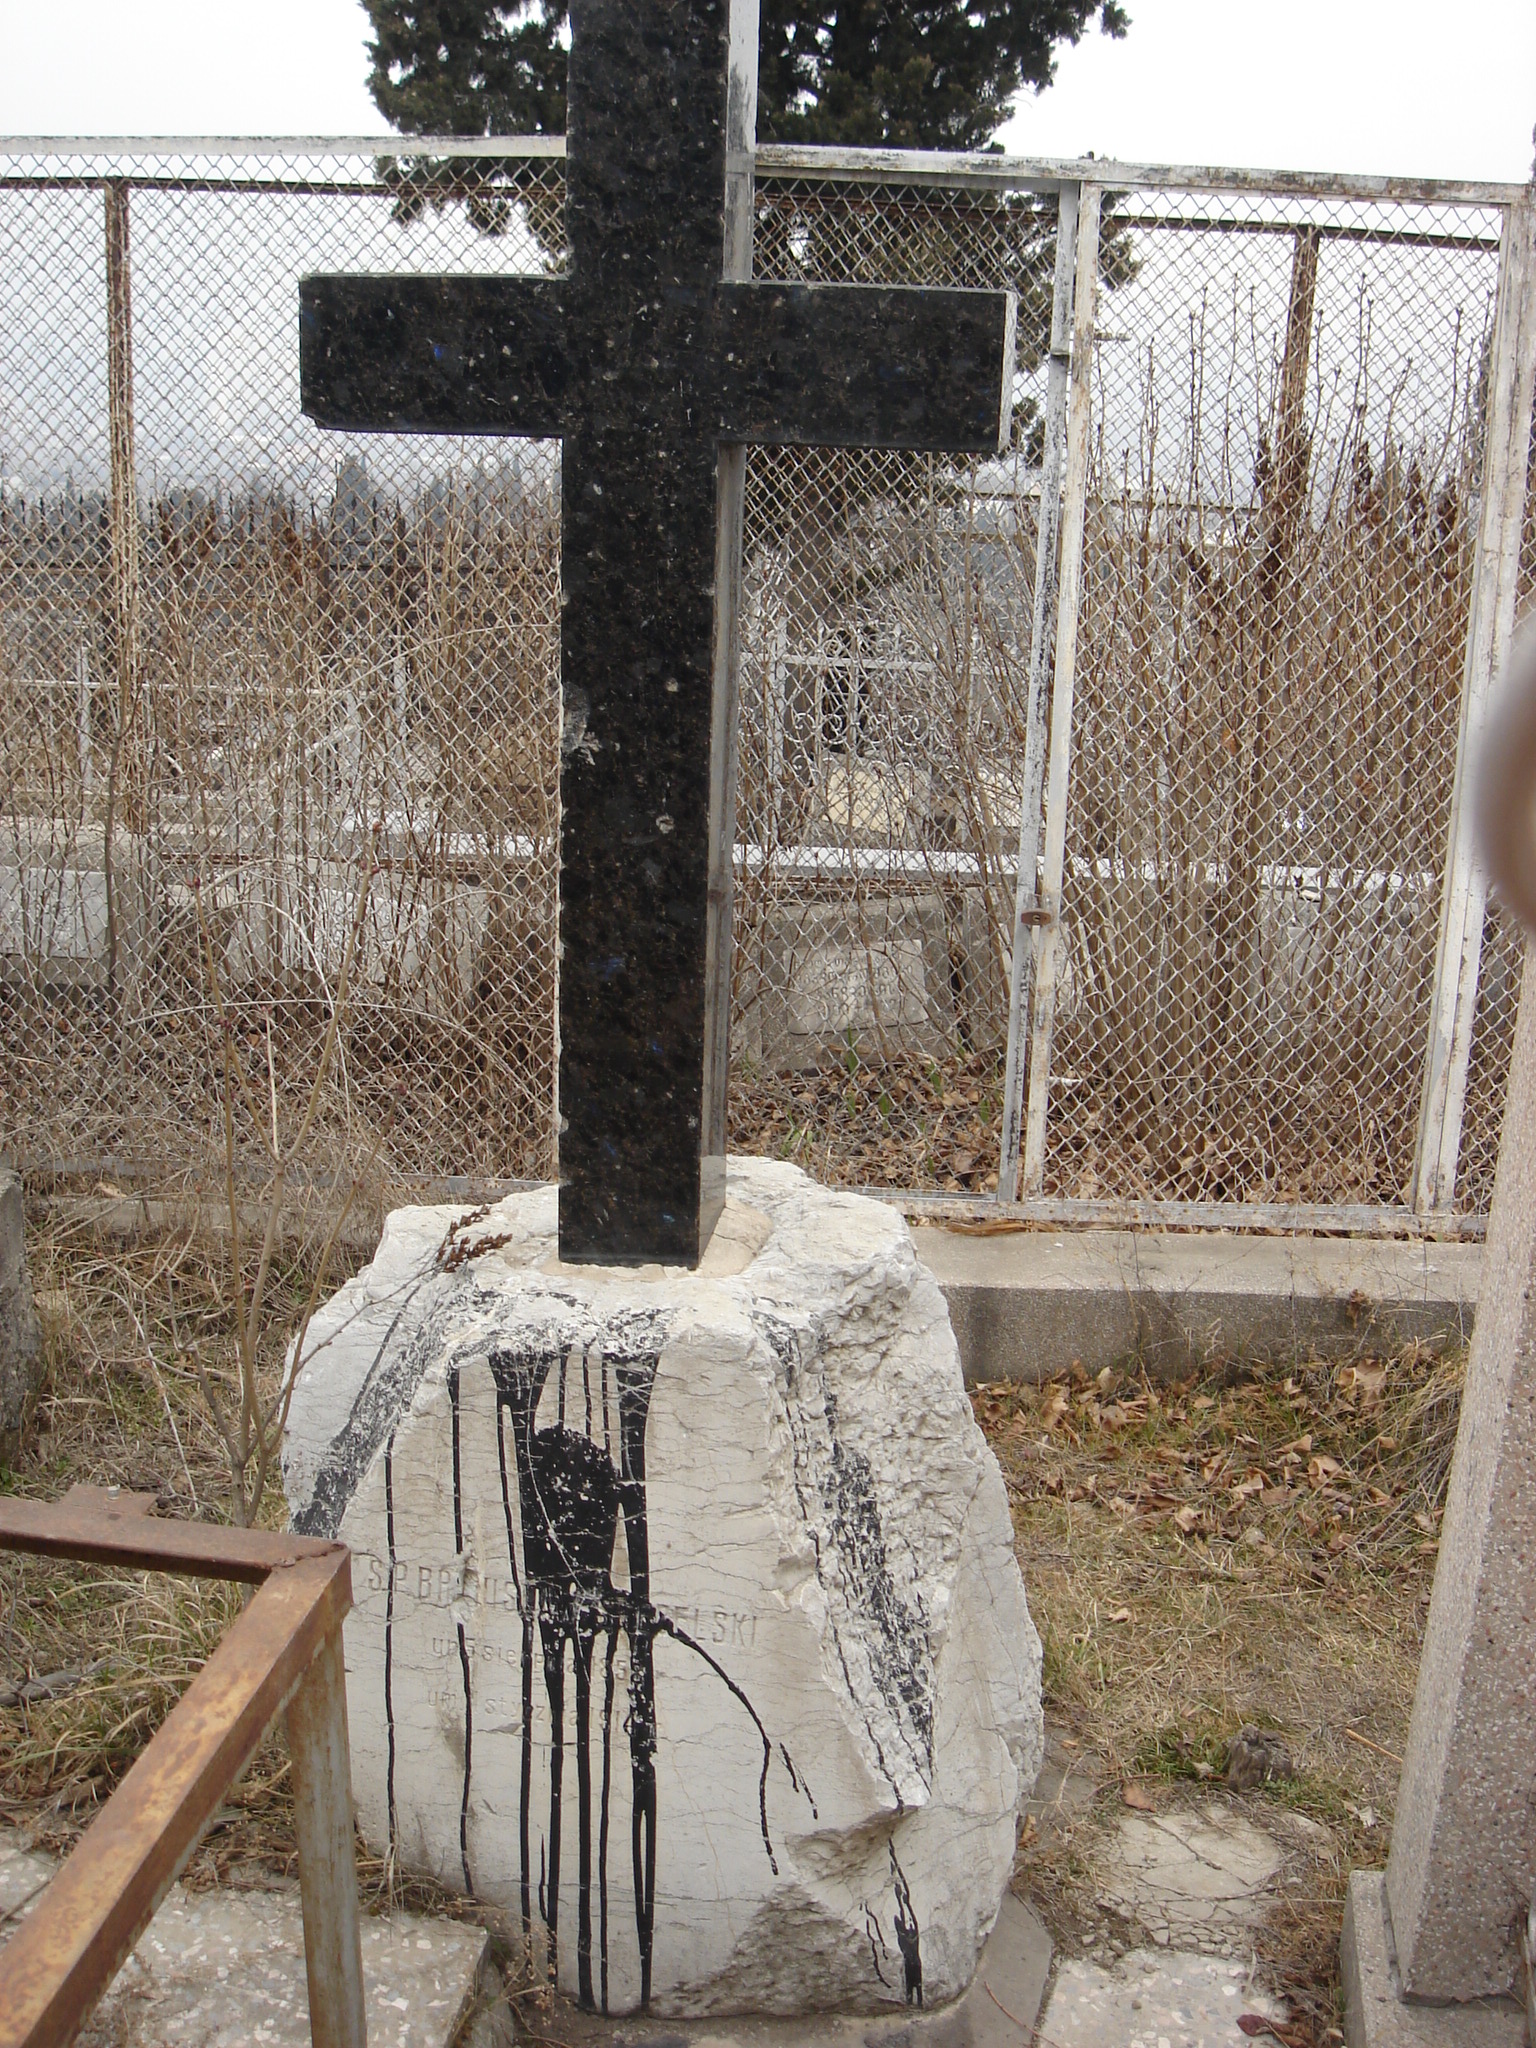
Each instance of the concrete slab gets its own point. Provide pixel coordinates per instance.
(1154, 2000)
(1376, 2015)
(23, 1874)
(1029, 1303)
(999, 2010)
(1193, 1878)
(226, 1970)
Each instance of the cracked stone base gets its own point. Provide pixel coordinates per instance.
(1375, 2015)
(688, 1626)
(999, 2010)
(1195, 1878)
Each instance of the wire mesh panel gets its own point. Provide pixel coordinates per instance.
(278, 709)
(885, 656)
(1281, 528)
(1501, 970)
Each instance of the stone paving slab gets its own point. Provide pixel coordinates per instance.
(226, 1970)
(1153, 1999)
(1193, 1877)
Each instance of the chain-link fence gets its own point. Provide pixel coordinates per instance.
(279, 708)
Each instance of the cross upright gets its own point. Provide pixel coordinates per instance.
(656, 361)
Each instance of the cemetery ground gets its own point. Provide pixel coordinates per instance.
(1250, 1549)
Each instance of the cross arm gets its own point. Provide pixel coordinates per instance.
(865, 366)
(445, 355)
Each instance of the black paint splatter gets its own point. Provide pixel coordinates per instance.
(898, 1649)
(387, 1386)
(835, 1490)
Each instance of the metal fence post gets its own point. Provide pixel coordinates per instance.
(1041, 642)
(1490, 622)
(125, 794)
(725, 722)
(1064, 672)
(322, 1815)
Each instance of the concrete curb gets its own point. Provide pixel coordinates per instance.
(1031, 1303)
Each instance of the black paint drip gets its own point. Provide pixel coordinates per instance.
(907, 1933)
(575, 1490)
(469, 1704)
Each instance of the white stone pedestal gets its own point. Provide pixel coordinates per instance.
(1432, 1947)
(688, 1626)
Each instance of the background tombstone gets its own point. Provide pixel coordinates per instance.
(873, 976)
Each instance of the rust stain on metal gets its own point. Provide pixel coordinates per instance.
(67, 1952)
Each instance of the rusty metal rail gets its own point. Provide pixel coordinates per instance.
(284, 1652)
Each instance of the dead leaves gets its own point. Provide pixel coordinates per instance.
(1056, 1407)
(1228, 1466)
(1364, 1382)
(1255, 2026)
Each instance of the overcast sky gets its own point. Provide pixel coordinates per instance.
(1360, 85)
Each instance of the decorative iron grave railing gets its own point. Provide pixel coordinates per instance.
(1099, 811)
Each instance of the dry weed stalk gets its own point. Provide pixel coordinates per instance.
(302, 672)
(251, 1428)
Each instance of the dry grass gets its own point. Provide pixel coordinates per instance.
(1242, 1549)
(124, 1328)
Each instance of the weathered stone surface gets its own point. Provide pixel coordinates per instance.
(21, 1338)
(688, 1624)
(1192, 1877)
(999, 2010)
(1376, 2015)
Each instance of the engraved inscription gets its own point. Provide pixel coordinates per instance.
(851, 988)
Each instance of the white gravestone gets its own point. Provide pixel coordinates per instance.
(688, 1624)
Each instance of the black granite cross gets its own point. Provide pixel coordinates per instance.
(656, 361)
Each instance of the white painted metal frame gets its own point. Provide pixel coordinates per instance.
(1464, 891)
(975, 170)
(1047, 934)
(1041, 643)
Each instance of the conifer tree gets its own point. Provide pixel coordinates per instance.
(939, 75)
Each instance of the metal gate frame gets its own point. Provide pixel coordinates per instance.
(284, 1652)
